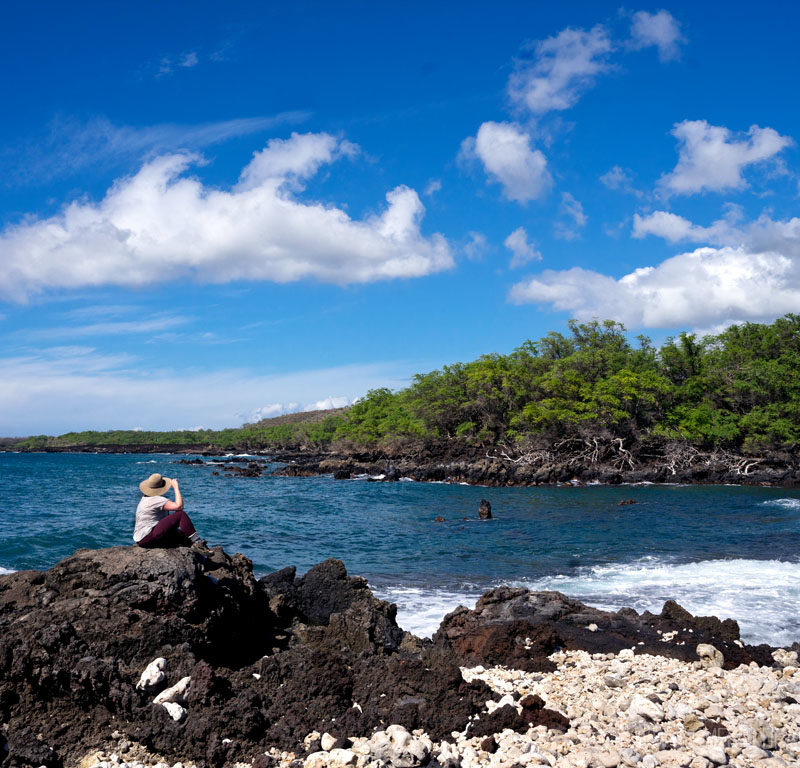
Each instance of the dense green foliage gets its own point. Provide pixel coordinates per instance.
(737, 390)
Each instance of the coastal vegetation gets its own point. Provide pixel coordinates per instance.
(736, 391)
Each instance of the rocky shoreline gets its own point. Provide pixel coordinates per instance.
(166, 655)
(607, 461)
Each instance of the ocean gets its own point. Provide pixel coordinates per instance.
(730, 551)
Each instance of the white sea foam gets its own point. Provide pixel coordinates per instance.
(150, 461)
(420, 611)
(762, 595)
(784, 503)
(4, 571)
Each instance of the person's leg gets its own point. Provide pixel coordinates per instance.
(185, 524)
(172, 528)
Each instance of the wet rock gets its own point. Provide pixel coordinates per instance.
(520, 628)
(485, 510)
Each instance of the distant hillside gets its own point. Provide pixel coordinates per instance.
(301, 417)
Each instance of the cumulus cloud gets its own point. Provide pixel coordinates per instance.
(561, 69)
(712, 158)
(524, 252)
(660, 29)
(758, 278)
(328, 403)
(162, 224)
(674, 228)
(572, 218)
(272, 410)
(280, 409)
(506, 154)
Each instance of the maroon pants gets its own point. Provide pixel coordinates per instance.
(173, 529)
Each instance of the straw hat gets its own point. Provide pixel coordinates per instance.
(155, 485)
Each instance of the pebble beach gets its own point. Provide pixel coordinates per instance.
(624, 710)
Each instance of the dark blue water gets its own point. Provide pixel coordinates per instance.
(727, 550)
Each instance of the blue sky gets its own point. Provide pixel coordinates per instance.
(215, 212)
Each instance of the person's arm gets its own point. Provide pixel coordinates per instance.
(177, 505)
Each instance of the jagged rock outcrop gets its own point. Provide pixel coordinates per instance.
(520, 628)
(257, 664)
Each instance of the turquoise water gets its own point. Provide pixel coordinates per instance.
(732, 551)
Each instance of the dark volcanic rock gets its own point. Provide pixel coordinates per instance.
(485, 510)
(74, 639)
(521, 628)
(331, 609)
(508, 717)
(458, 461)
(269, 661)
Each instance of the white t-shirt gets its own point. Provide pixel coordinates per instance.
(149, 512)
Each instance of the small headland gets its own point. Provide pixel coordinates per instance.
(192, 657)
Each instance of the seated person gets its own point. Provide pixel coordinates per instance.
(161, 522)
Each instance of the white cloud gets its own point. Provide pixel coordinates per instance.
(110, 328)
(660, 29)
(476, 246)
(167, 64)
(506, 154)
(563, 67)
(326, 404)
(272, 410)
(757, 278)
(432, 187)
(291, 162)
(572, 220)
(712, 158)
(619, 178)
(161, 225)
(674, 228)
(61, 389)
(669, 226)
(280, 409)
(524, 252)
